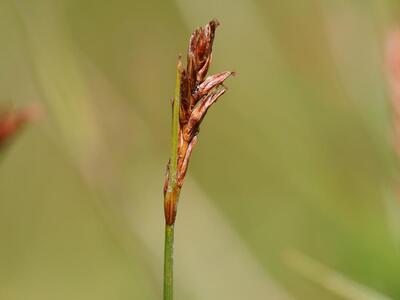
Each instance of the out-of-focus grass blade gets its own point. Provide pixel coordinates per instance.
(60, 79)
(330, 279)
(392, 201)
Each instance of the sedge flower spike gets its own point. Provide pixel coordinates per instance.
(194, 95)
(197, 93)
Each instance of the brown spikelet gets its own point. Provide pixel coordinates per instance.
(197, 93)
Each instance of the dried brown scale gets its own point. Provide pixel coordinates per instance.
(210, 83)
(197, 93)
(199, 113)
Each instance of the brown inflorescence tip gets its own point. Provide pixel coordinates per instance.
(197, 94)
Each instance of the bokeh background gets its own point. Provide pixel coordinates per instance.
(291, 192)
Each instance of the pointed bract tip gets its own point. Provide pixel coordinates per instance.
(179, 63)
(215, 22)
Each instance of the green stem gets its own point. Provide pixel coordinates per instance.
(175, 129)
(171, 190)
(168, 262)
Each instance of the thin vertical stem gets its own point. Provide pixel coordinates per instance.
(168, 262)
(171, 193)
(175, 129)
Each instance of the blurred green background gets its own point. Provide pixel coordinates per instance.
(290, 192)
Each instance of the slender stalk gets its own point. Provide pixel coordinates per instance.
(168, 262)
(175, 128)
(172, 192)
